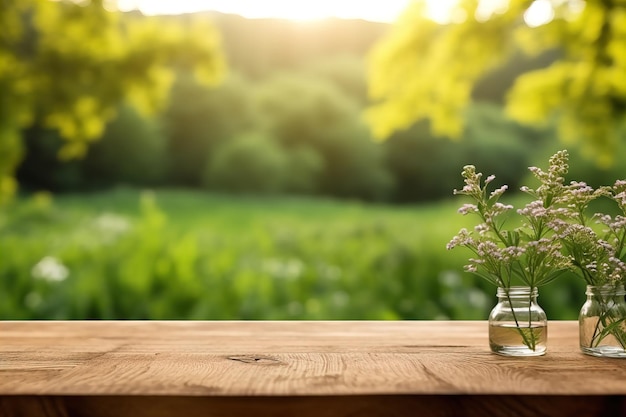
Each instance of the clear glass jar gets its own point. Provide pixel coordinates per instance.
(517, 324)
(602, 322)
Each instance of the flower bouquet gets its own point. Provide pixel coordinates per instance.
(556, 234)
(517, 260)
(597, 257)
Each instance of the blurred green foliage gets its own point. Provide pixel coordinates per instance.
(198, 119)
(304, 103)
(186, 255)
(66, 66)
(132, 150)
(427, 167)
(306, 112)
(426, 70)
(286, 120)
(248, 163)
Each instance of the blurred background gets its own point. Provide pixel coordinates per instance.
(285, 160)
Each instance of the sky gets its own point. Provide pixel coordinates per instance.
(375, 10)
(539, 12)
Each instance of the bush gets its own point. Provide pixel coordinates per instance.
(313, 113)
(428, 168)
(198, 119)
(355, 165)
(11, 153)
(304, 165)
(132, 150)
(248, 163)
(41, 168)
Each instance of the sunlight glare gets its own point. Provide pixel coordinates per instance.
(487, 8)
(386, 11)
(539, 13)
(444, 11)
(447, 11)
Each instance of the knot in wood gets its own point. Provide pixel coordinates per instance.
(255, 359)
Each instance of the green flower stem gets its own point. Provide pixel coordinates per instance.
(608, 327)
(530, 343)
(601, 319)
(532, 334)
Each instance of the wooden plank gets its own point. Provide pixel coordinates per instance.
(289, 359)
(151, 368)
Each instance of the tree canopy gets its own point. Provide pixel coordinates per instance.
(67, 65)
(426, 70)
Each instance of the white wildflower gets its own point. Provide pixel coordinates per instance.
(50, 269)
(468, 208)
(112, 223)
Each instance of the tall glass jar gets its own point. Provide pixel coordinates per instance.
(602, 322)
(517, 324)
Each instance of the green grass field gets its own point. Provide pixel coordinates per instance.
(172, 254)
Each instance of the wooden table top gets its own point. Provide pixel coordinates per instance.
(290, 358)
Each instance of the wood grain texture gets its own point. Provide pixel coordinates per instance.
(60, 368)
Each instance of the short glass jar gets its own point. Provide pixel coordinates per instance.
(602, 322)
(517, 324)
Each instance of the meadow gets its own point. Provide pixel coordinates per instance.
(177, 254)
